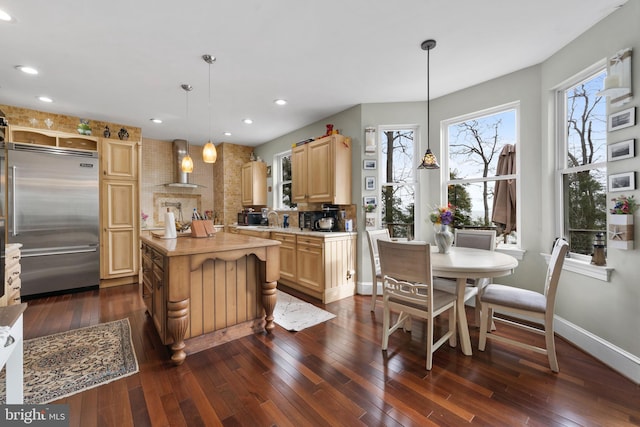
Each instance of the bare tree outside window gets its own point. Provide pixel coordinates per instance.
(584, 172)
(475, 146)
(283, 181)
(398, 151)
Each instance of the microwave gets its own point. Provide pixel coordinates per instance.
(250, 218)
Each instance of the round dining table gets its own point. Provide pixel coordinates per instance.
(468, 263)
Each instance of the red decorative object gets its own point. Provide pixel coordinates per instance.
(329, 129)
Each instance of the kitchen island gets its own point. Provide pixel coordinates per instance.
(202, 292)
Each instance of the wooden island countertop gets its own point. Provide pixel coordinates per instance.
(202, 292)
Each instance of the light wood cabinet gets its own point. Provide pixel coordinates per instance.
(119, 220)
(119, 159)
(310, 273)
(288, 254)
(49, 138)
(12, 270)
(152, 289)
(254, 184)
(321, 171)
(320, 266)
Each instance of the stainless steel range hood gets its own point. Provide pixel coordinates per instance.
(180, 149)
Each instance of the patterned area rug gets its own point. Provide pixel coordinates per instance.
(294, 314)
(60, 365)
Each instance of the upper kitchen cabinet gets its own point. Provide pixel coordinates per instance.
(119, 159)
(321, 171)
(49, 138)
(254, 184)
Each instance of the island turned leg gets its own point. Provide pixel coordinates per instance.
(269, 302)
(177, 321)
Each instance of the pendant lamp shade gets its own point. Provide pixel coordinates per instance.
(187, 162)
(429, 160)
(209, 152)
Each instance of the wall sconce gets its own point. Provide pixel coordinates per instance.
(369, 140)
(617, 84)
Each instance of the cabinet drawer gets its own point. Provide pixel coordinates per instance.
(315, 242)
(284, 237)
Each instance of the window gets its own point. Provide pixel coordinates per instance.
(582, 155)
(397, 171)
(480, 161)
(282, 181)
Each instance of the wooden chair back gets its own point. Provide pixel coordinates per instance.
(554, 269)
(372, 237)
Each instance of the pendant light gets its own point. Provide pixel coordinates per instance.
(187, 162)
(209, 153)
(429, 160)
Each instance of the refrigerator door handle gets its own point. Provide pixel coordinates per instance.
(62, 251)
(13, 225)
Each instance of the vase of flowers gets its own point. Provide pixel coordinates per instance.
(143, 219)
(441, 218)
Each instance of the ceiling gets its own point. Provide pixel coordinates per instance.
(124, 61)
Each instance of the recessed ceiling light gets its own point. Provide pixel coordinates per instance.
(247, 121)
(4, 16)
(45, 99)
(280, 102)
(227, 134)
(158, 121)
(26, 69)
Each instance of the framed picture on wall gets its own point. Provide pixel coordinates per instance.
(370, 183)
(370, 200)
(369, 164)
(622, 182)
(622, 119)
(621, 150)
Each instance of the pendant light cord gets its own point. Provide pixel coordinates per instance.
(428, 104)
(209, 101)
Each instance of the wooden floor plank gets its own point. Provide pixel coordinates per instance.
(334, 374)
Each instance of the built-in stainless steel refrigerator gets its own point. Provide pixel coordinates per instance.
(53, 210)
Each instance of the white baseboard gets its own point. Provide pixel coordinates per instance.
(616, 358)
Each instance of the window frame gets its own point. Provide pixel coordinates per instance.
(561, 169)
(512, 249)
(576, 263)
(278, 182)
(417, 228)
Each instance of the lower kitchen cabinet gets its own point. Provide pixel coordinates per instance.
(310, 263)
(288, 255)
(320, 266)
(152, 289)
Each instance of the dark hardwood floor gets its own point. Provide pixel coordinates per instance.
(334, 374)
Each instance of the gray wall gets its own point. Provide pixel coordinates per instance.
(601, 317)
(608, 310)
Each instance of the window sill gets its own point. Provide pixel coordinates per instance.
(512, 250)
(583, 266)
